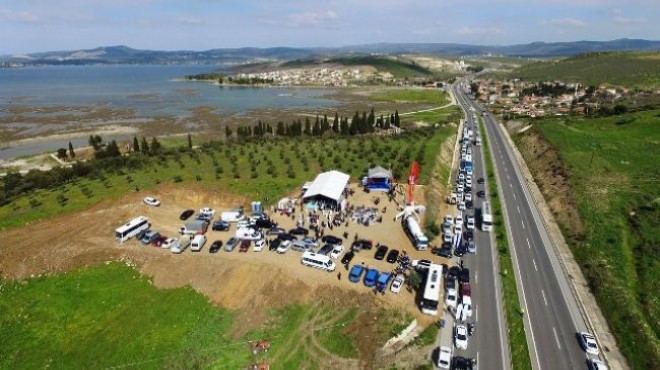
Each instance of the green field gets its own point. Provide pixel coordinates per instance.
(109, 316)
(431, 96)
(629, 69)
(612, 164)
(255, 169)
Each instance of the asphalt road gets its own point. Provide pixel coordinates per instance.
(489, 345)
(552, 317)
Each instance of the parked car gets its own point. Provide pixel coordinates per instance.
(453, 272)
(259, 245)
(461, 336)
(356, 273)
(462, 363)
(472, 247)
(215, 246)
(466, 301)
(595, 364)
(370, 278)
(444, 357)
(460, 250)
(207, 211)
(397, 283)
(421, 264)
(310, 241)
(284, 247)
(464, 276)
(245, 246)
(442, 252)
(168, 243)
(274, 244)
(151, 201)
(347, 258)
(204, 217)
(589, 344)
(330, 239)
(299, 231)
(276, 231)
(392, 256)
(470, 222)
(466, 290)
(149, 236)
(336, 251)
(158, 241)
(381, 252)
(231, 243)
(468, 235)
(186, 214)
(361, 244)
(264, 223)
(447, 237)
(221, 226)
(452, 298)
(326, 249)
(286, 236)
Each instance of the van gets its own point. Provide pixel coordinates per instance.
(197, 243)
(181, 245)
(318, 261)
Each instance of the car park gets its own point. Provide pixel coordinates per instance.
(284, 247)
(461, 336)
(370, 277)
(186, 214)
(259, 245)
(151, 201)
(347, 258)
(588, 343)
(381, 251)
(336, 251)
(444, 358)
(331, 239)
(356, 273)
(595, 364)
(397, 283)
(231, 244)
(215, 246)
(221, 226)
(452, 298)
(392, 256)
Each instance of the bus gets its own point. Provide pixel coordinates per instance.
(486, 217)
(132, 228)
(431, 297)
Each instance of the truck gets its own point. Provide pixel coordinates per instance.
(383, 281)
(196, 227)
(414, 232)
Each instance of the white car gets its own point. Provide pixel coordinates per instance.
(151, 201)
(259, 245)
(468, 182)
(461, 206)
(284, 247)
(589, 343)
(461, 336)
(467, 197)
(452, 298)
(467, 305)
(459, 219)
(207, 211)
(397, 283)
(470, 222)
(597, 365)
(449, 219)
(168, 243)
(447, 238)
(461, 176)
(446, 228)
(444, 357)
(458, 229)
(336, 251)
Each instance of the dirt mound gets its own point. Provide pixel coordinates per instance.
(548, 170)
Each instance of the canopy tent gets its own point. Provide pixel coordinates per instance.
(379, 178)
(327, 190)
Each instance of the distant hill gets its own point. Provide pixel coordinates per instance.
(126, 55)
(630, 69)
(399, 67)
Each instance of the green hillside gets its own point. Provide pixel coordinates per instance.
(630, 69)
(398, 67)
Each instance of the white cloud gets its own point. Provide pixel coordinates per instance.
(479, 31)
(619, 17)
(17, 16)
(190, 20)
(570, 22)
(327, 19)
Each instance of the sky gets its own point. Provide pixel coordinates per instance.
(46, 25)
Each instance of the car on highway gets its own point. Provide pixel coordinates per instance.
(480, 180)
(461, 336)
(151, 201)
(595, 364)
(215, 246)
(347, 258)
(392, 256)
(444, 357)
(231, 244)
(336, 251)
(464, 276)
(220, 226)
(452, 298)
(442, 251)
(186, 214)
(481, 193)
(397, 283)
(331, 239)
(588, 343)
(381, 251)
(356, 273)
(462, 363)
(284, 247)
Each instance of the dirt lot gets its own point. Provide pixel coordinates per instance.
(249, 282)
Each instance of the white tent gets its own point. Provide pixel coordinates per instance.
(329, 186)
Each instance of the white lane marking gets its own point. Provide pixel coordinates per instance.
(556, 337)
(534, 262)
(529, 246)
(476, 280)
(544, 299)
(508, 177)
(518, 209)
(510, 185)
(514, 196)
(523, 223)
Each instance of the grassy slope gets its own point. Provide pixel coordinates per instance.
(432, 96)
(614, 172)
(630, 69)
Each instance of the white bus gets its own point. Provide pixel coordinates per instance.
(132, 228)
(318, 261)
(486, 217)
(431, 297)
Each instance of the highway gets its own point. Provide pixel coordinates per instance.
(552, 316)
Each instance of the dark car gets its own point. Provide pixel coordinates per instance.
(480, 180)
(460, 250)
(330, 239)
(299, 231)
(450, 283)
(264, 223)
(348, 257)
(204, 217)
(274, 244)
(481, 193)
(453, 272)
(245, 246)
(276, 231)
(462, 363)
(158, 241)
(465, 290)
(361, 244)
(442, 252)
(468, 235)
(381, 252)
(326, 249)
(393, 256)
(464, 276)
(215, 246)
(186, 214)
(286, 236)
(221, 226)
